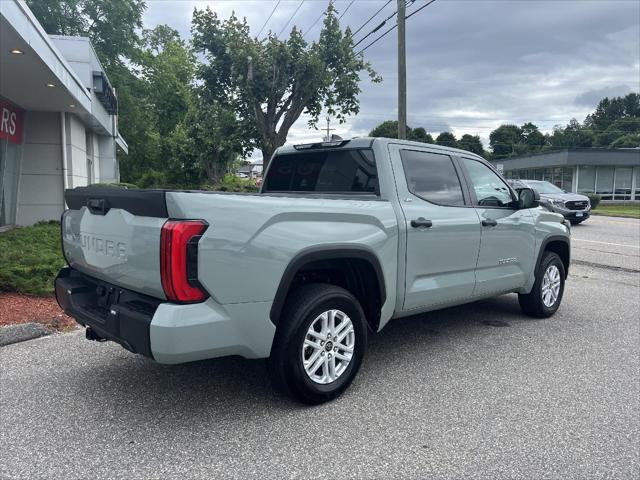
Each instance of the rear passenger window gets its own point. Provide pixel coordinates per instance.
(328, 171)
(432, 176)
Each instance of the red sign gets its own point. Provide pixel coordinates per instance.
(10, 122)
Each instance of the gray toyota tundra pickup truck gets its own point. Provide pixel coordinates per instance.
(344, 237)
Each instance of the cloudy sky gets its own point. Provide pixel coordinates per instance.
(471, 64)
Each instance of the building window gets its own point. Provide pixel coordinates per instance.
(637, 191)
(586, 179)
(604, 182)
(623, 183)
(9, 156)
(567, 179)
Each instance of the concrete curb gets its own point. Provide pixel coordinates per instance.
(22, 332)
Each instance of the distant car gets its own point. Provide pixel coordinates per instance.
(574, 207)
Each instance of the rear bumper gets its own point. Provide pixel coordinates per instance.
(111, 312)
(166, 332)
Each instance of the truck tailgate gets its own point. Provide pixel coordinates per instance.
(114, 235)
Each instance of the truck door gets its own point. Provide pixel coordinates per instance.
(442, 228)
(507, 242)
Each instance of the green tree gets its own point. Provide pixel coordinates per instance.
(159, 98)
(619, 128)
(111, 25)
(630, 140)
(471, 143)
(219, 137)
(273, 81)
(610, 110)
(532, 137)
(573, 135)
(389, 129)
(419, 134)
(505, 141)
(447, 139)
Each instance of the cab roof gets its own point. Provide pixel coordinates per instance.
(367, 142)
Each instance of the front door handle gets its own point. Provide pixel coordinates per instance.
(489, 222)
(421, 222)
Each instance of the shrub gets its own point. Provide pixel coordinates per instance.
(153, 179)
(233, 183)
(594, 199)
(30, 258)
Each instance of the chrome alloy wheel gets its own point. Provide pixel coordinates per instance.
(550, 286)
(328, 346)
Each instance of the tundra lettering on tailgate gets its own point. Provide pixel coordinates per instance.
(103, 246)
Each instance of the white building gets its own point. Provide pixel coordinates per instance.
(58, 118)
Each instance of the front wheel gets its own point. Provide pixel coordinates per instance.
(546, 294)
(319, 344)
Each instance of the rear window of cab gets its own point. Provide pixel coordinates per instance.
(326, 171)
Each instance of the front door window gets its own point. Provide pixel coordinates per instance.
(490, 189)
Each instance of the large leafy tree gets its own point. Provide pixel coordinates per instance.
(160, 96)
(573, 135)
(611, 109)
(272, 81)
(110, 24)
(532, 137)
(506, 140)
(389, 129)
(219, 137)
(447, 139)
(471, 143)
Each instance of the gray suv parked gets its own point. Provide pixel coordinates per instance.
(574, 207)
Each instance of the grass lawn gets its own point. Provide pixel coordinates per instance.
(30, 258)
(631, 211)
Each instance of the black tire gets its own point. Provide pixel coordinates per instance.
(532, 303)
(285, 363)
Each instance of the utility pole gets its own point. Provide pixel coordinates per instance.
(328, 137)
(402, 72)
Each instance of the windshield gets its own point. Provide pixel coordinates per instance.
(543, 187)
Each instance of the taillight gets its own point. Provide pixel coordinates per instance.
(179, 260)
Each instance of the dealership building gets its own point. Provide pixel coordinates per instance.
(614, 174)
(58, 118)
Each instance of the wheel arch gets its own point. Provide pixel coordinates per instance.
(560, 245)
(355, 262)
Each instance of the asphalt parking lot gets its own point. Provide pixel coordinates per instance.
(477, 391)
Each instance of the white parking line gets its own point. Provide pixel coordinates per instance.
(607, 243)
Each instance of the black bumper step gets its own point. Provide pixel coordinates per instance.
(111, 312)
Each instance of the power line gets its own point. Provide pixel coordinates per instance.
(391, 28)
(371, 18)
(268, 18)
(416, 11)
(313, 24)
(345, 10)
(380, 25)
(291, 18)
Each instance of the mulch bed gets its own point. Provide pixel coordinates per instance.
(16, 309)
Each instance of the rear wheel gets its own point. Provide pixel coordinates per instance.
(546, 294)
(319, 345)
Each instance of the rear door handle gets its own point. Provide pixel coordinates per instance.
(421, 222)
(489, 222)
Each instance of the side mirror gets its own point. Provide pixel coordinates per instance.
(528, 198)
